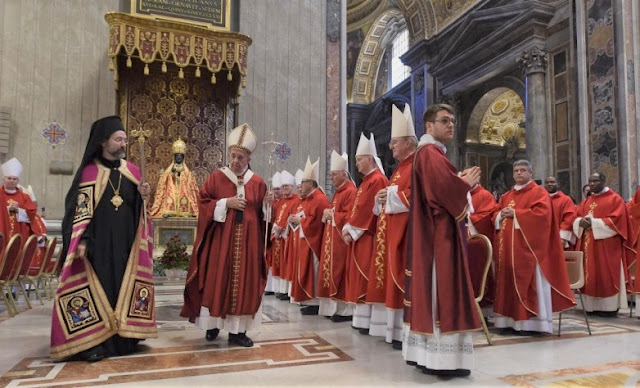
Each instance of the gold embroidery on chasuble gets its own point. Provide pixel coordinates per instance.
(355, 203)
(328, 253)
(503, 226)
(587, 243)
(382, 248)
(235, 266)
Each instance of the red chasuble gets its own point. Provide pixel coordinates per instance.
(24, 202)
(437, 235)
(386, 276)
(361, 251)
(602, 258)
(564, 210)
(333, 261)
(289, 205)
(270, 246)
(517, 251)
(227, 273)
(5, 222)
(483, 206)
(310, 246)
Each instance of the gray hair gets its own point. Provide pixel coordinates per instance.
(523, 162)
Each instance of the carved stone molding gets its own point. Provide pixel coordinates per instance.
(533, 61)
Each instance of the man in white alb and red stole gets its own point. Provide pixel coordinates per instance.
(359, 231)
(105, 299)
(304, 288)
(228, 272)
(332, 284)
(386, 277)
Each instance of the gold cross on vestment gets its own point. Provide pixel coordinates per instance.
(592, 207)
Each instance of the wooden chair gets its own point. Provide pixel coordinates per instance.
(33, 277)
(22, 266)
(9, 260)
(487, 266)
(575, 269)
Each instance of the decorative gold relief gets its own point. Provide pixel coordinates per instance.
(504, 121)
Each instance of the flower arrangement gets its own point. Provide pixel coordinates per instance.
(175, 256)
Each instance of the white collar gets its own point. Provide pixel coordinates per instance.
(11, 191)
(428, 139)
(602, 192)
(554, 194)
(519, 187)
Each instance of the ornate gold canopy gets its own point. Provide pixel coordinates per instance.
(182, 44)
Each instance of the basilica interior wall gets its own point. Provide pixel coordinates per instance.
(53, 67)
(286, 84)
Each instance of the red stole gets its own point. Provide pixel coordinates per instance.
(386, 275)
(80, 294)
(361, 251)
(603, 258)
(310, 246)
(517, 251)
(437, 235)
(227, 273)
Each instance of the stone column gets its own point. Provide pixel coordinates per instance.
(335, 82)
(534, 66)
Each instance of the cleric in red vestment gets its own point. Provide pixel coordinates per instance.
(279, 231)
(440, 309)
(386, 276)
(23, 218)
(359, 231)
(483, 204)
(333, 261)
(271, 204)
(228, 272)
(603, 229)
(564, 211)
(531, 274)
(304, 288)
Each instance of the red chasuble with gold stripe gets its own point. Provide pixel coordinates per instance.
(517, 251)
(386, 276)
(603, 257)
(361, 251)
(334, 250)
(311, 227)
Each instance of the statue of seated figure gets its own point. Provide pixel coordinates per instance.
(177, 190)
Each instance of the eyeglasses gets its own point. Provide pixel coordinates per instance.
(445, 121)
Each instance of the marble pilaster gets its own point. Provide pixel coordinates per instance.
(534, 64)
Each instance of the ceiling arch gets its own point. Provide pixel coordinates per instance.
(370, 54)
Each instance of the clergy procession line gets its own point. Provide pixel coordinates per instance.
(399, 257)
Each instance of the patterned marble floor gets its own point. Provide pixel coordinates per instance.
(293, 350)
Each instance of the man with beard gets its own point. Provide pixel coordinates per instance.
(107, 254)
(228, 272)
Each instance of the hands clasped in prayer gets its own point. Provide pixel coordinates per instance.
(236, 203)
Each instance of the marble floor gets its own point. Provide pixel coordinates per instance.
(295, 350)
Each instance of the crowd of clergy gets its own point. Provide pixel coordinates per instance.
(397, 257)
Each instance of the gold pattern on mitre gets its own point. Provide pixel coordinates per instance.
(243, 137)
(179, 147)
(402, 122)
(339, 162)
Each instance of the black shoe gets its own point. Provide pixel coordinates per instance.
(240, 339)
(397, 345)
(269, 293)
(340, 318)
(212, 334)
(607, 314)
(412, 363)
(364, 331)
(94, 354)
(447, 372)
(284, 297)
(526, 333)
(310, 310)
